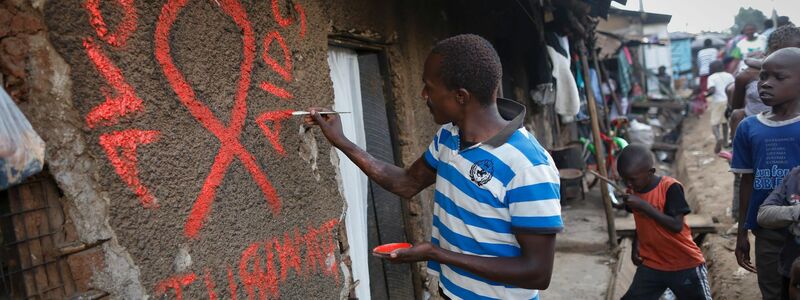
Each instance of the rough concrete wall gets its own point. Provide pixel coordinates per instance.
(194, 180)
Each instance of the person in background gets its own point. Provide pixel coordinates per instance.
(718, 103)
(765, 148)
(664, 81)
(749, 47)
(781, 211)
(663, 248)
(704, 58)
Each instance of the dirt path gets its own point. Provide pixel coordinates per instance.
(709, 188)
(582, 266)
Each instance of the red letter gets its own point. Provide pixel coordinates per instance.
(273, 136)
(288, 254)
(302, 13)
(175, 283)
(212, 295)
(276, 12)
(264, 279)
(125, 28)
(286, 69)
(125, 160)
(125, 101)
(231, 283)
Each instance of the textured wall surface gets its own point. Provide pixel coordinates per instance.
(167, 130)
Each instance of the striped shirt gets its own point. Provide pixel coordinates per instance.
(484, 194)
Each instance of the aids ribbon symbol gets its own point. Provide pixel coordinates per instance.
(231, 147)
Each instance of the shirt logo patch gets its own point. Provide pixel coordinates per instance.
(481, 172)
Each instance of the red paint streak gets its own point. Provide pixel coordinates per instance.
(175, 283)
(264, 279)
(231, 283)
(300, 10)
(125, 160)
(289, 254)
(125, 27)
(276, 13)
(231, 146)
(212, 295)
(275, 90)
(284, 70)
(273, 135)
(125, 102)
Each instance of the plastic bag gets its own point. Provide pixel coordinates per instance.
(21, 149)
(639, 133)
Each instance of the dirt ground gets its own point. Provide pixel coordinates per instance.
(709, 189)
(583, 265)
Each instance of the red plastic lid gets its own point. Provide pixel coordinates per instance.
(388, 248)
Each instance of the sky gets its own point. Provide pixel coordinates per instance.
(695, 16)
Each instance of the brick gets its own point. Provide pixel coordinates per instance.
(84, 265)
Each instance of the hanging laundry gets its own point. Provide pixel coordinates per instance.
(567, 97)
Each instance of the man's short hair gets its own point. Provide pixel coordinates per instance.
(708, 43)
(470, 62)
(781, 37)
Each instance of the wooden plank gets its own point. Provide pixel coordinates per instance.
(664, 146)
(660, 104)
(55, 215)
(15, 206)
(623, 272)
(33, 221)
(697, 222)
(49, 250)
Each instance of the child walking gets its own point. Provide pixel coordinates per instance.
(718, 81)
(766, 147)
(663, 247)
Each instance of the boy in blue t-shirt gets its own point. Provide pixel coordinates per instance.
(766, 147)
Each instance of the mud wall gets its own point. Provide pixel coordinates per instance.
(168, 132)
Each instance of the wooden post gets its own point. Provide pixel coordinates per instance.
(598, 146)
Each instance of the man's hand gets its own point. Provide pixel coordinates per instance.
(420, 252)
(330, 124)
(743, 251)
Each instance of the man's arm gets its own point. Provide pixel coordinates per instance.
(531, 270)
(405, 183)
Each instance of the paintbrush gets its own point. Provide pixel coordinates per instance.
(609, 181)
(303, 113)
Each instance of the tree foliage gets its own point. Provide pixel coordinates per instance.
(748, 15)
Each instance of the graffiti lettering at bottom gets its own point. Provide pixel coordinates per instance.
(263, 265)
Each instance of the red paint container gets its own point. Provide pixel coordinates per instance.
(389, 248)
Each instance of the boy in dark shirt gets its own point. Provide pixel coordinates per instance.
(663, 247)
(781, 211)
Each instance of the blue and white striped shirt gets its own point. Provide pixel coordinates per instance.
(484, 194)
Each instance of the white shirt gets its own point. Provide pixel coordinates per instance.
(704, 59)
(749, 48)
(720, 81)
